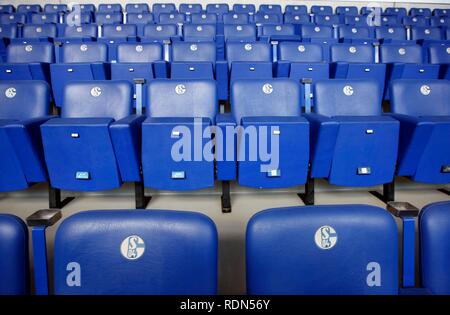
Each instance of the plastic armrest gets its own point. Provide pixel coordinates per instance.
(226, 149)
(126, 139)
(222, 79)
(323, 131)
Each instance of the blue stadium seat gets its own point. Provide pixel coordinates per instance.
(390, 20)
(88, 8)
(241, 33)
(55, 8)
(441, 12)
(28, 8)
(296, 9)
(266, 18)
(102, 18)
(321, 9)
(443, 21)
(134, 245)
(190, 8)
(78, 19)
(356, 61)
(44, 18)
(420, 12)
(356, 20)
(440, 54)
(172, 18)
(244, 8)
(204, 18)
(249, 60)
(109, 8)
(38, 33)
(388, 34)
(355, 34)
(415, 21)
(294, 18)
(159, 32)
(271, 109)
(270, 8)
(322, 250)
(136, 8)
(347, 10)
(24, 105)
(426, 33)
(27, 62)
(314, 31)
(115, 34)
(396, 11)
(13, 18)
(434, 227)
(327, 19)
(279, 32)
(140, 20)
(82, 33)
(95, 144)
(192, 103)
(7, 32)
(199, 32)
(6, 8)
(370, 10)
(235, 18)
(14, 269)
(219, 9)
(423, 110)
(159, 8)
(78, 61)
(353, 144)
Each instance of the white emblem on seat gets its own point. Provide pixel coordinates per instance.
(199, 28)
(385, 19)
(348, 90)
(248, 47)
(267, 88)
(448, 50)
(193, 47)
(180, 89)
(390, 30)
(266, 16)
(354, 30)
(133, 247)
(79, 29)
(425, 89)
(402, 51)
(296, 17)
(10, 92)
(84, 47)
(352, 49)
(159, 28)
(235, 16)
(96, 91)
(316, 29)
(301, 48)
(357, 19)
(28, 48)
(427, 31)
(325, 237)
(38, 29)
(414, 19)
(139, 48)
(44, 17)
(203, 16)
(278, 28)
(108, 16)
(119, 28)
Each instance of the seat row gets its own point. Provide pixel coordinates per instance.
(183, 143)
(221, 8)
(310, 250)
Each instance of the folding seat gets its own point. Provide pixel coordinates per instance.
(27, 62)
(371, 10)
(199, 32)
(434, 227)
(420, 12)
(134, 245)
(355, 34)
(136, 8)
(249, 60)
(422, 107)
(13, 18)
(190, 8)
(108, 18)
(313, 31)
(400, 12)
(6, 8)
(175, 108)
(279, 32)
(14, 269)
(391, 20)
(235, 18)
(204, 18)
(415, 21)
(243, 33)
(271, 111)
(353, 144)
(159, 8)
(440, 21)
(347, 10)
(140, 20)
(218, 9)
(265, 18)
(388, 34)
(405, 62)
(28, 8)
(24, 105)
(87, 8)
(440, 54)
(78, 19)
(44, 18)
(244, 8)
(441, 12)
(270, 9)
(55, 8)
(7, 32)
(320, 9)
(321, 250)
(117, 34)
(159, 32)
(296, 9)
(94, 146)
(357, 20)
(82, 33)
(110, 8)
(356, 61)
(78, 62)
(37, 33)
(294, 18)
(327, 19)
(426, 33)
(172, 18)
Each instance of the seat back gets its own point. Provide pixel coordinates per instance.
(352, 53)
(137, 8)
(272, 97)
(8, 30)
(87, 52)
(434, 227)
(244, 8)
(204, 18)
(321, 9)
(172, 18)
(21, 100)
(55, 8)
(336, 249)
(441, 12)
(270, 8)
(97, 99)
(347, 97)
(267, 18)
(39, 30)
(296, 9)
(294, 18)
(235, 18)
(88, 8)
(14, 270)
(155, 252)
(30, 53)
(193, 52)
(440, 21)
(353, 32)
(109, 7)
(327, 19)
(399, 53)
(245, 32)
(108, 18)
(415, 20)
(428, 33)
(119, 30)
(300, 52)
(28, 8)
(190, 8)
(194, 32)
(252, 52)
(182, 98)
(420, 12)
(159, 8)
(139, 52)
(439, 54)
(347, 10)
(420, 97)
(390, 32)
(278, 29)
(13, 18)
(44, 18)
(140, 18)
(217, 8)
(159, 31)
(314, 31)
(396, 11)
(6, 8)
(85, 30)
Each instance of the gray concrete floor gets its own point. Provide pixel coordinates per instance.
(231, 226)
